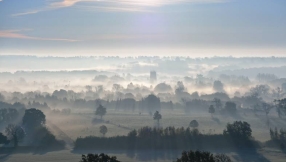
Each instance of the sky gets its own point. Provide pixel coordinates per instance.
(143, 27)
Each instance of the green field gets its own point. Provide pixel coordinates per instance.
(68, 128)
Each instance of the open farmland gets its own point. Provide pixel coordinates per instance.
(121, 123)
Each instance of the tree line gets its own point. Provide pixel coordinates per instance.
(237, 134)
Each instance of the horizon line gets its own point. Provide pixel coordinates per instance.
(128, 56)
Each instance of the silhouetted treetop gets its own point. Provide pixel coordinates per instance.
(100, 111)
(194, 124)
(157, 116)
(238, 130)
(33, 118)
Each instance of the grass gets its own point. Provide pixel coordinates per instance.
(80, 124)
(77, 125)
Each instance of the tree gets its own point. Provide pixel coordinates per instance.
(88, 88)
(211, 110)
(266, 108)
(157, 116)
(230, 107)
(34, 118)
(279, 137)
(15, 133)
(194, 124)
(277, 93)
(180, 87)
(218, 104)
(100, 111)
(151, 103)
(163, 88)
(116, 87)
(196, 156)
(238, 130)
(281, 107)
(103, 130)
(222, 158)
(218, 86)
(3, 139)
(60, 94)
(8, 115)
(260, 90)
(98, 158)
(43, 138)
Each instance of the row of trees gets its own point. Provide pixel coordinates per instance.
(281, 107)
(278, 138)
(9, 115)
(235, 134)
(229, 108)
(153, 104)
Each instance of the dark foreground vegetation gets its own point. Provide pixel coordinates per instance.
(98, 158)
(187, 156)
(30, 131)
(236, 135)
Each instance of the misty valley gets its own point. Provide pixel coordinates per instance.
(165, 109)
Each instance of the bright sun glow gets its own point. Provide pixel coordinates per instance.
(145, 2)
(67, 3)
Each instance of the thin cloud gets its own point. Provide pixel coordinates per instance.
(116, 5)
(15, 34)
(69, 3)
(111, 8)
(26, 13)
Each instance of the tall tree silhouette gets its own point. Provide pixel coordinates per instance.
(3, 139)
(157, 116)
(100, 111)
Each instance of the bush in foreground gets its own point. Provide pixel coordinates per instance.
(202, 156)
(98, 158)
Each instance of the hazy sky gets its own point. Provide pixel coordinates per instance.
(160, 27)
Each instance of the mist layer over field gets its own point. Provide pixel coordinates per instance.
(213, 91)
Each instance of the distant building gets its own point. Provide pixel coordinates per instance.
(153, 76)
